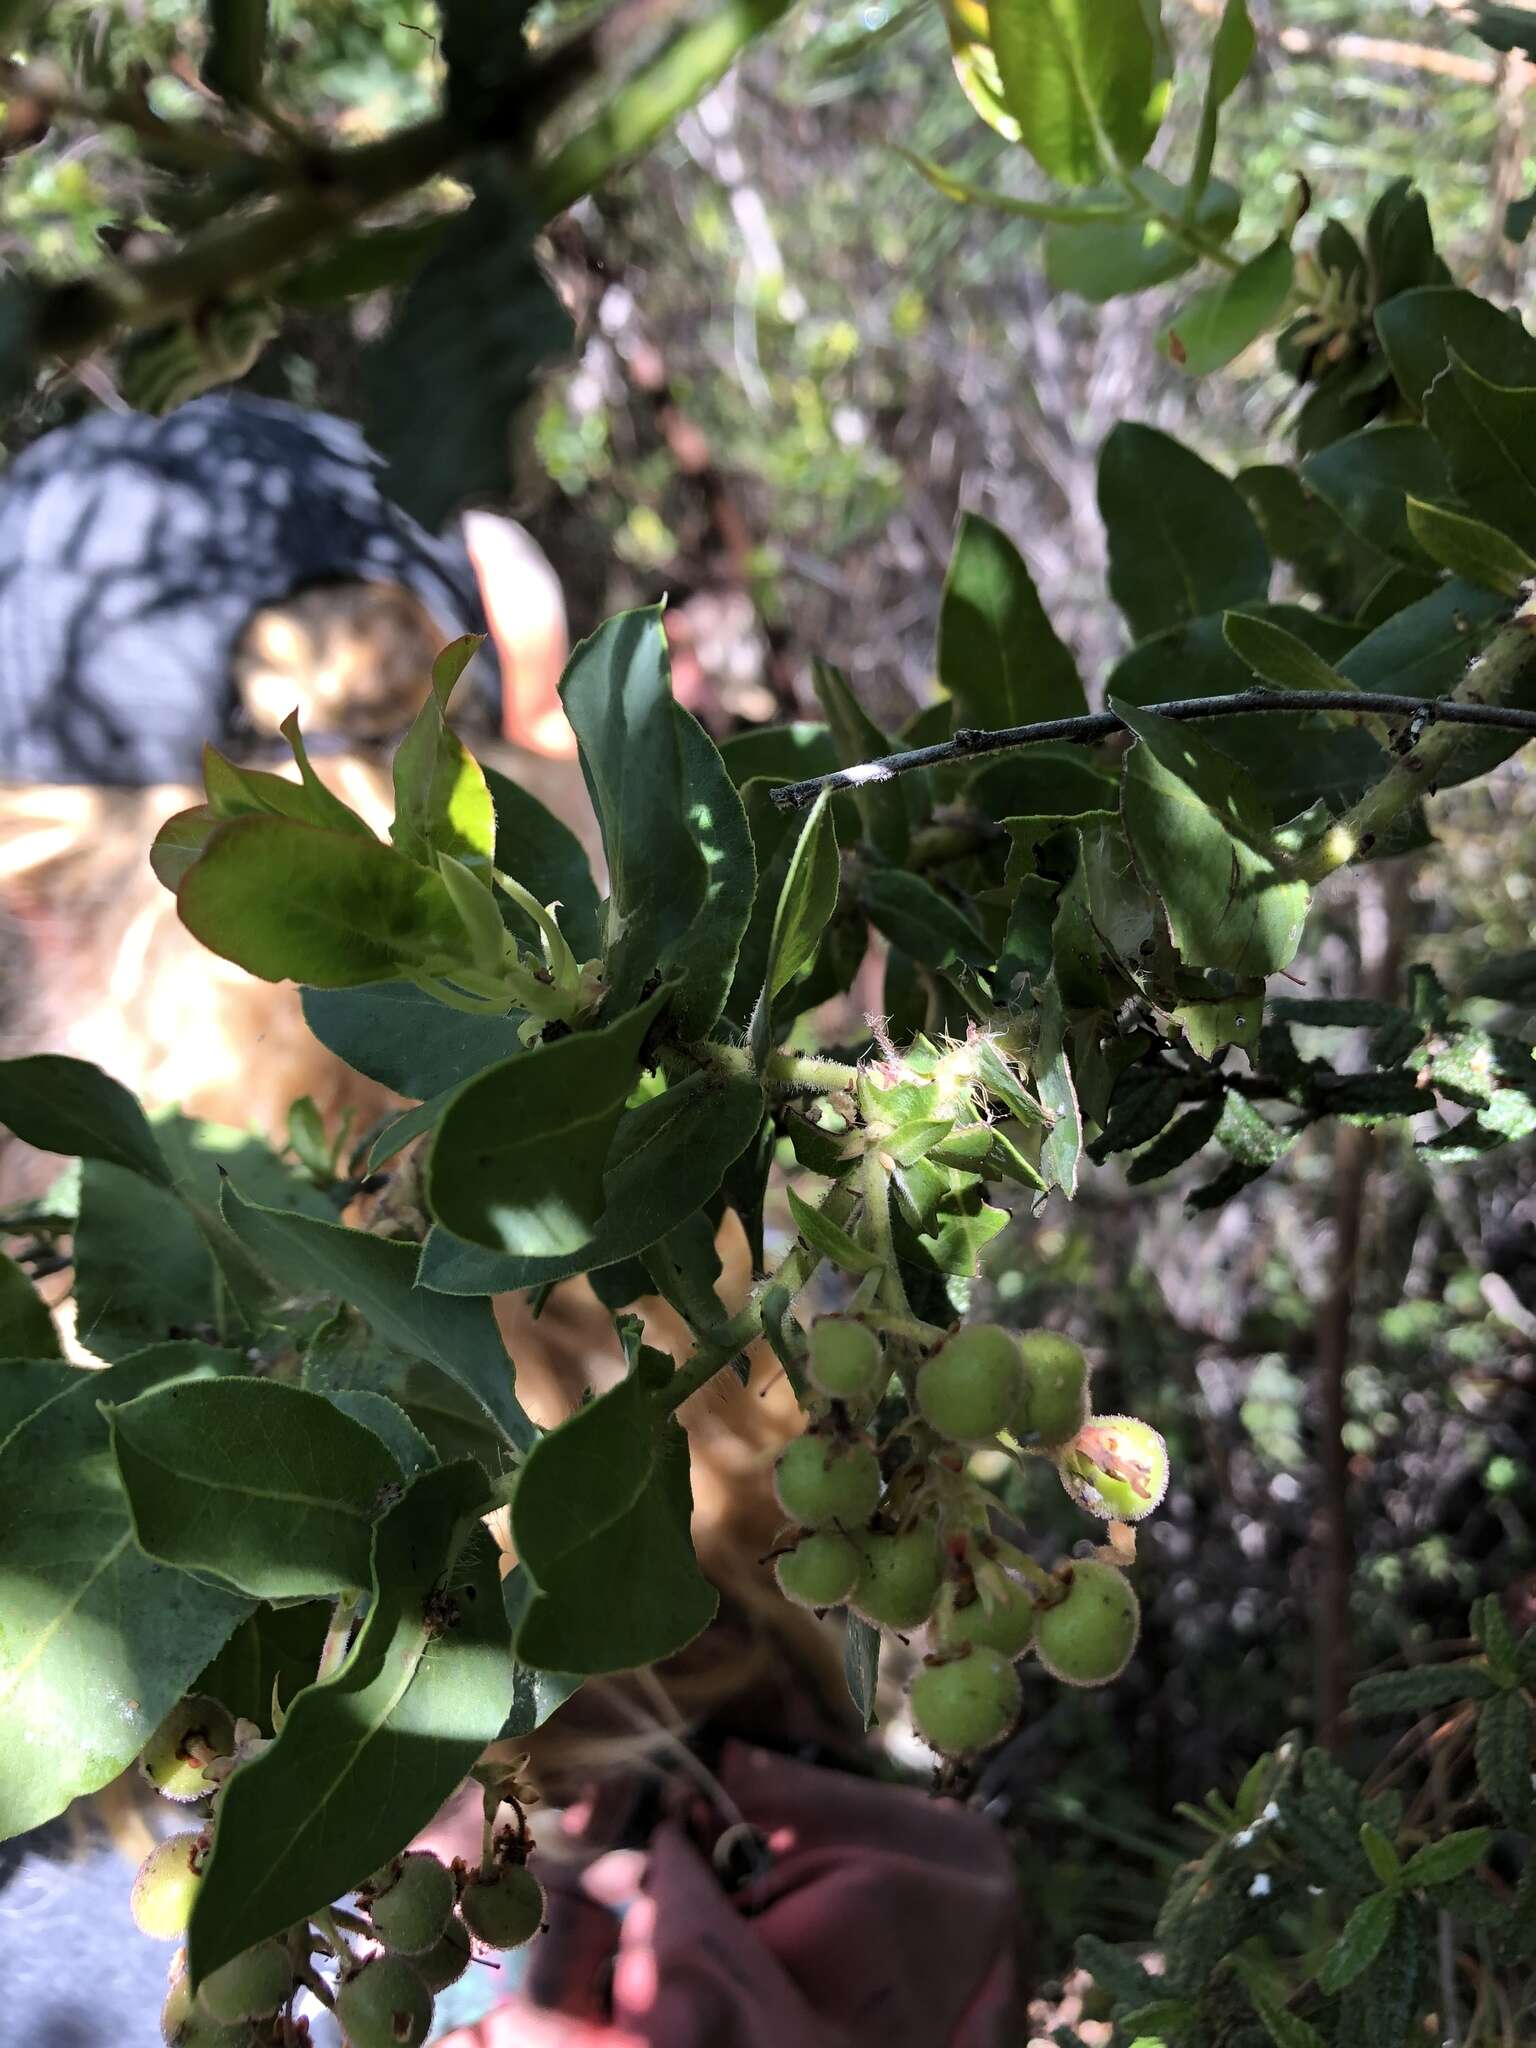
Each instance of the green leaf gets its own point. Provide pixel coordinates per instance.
(861, 1666)
(292, 902)
(1302, 529)
(1223, 319)
(535, 1694)
(404, 1038)
(1182, 542)
(518, 1160)
(536, 849)
(1488, 433)
(267, 1487)
(236, 792)
(826, 1237)
(378, 1278)
(779, 753)
(1209, 1027)
(1420, 329)
(1422, 651)
(446, 381)
(1419, 1690)
(1440, 1862)
(1400, 245)
(806, 900)
(1381, 1856)
(442, 801)
(1043, 781)
(237, 47)
(276, 1650)
(1102, 260)
(1081, 78)
(410, 1710)
(26, 1327)
(913, 915)
(1180, 1142)
(99, 1641)
(1200, 835)
(1357, 1947)
(1062, 1147)
(600, 1526)
(998, 655)
(669, 1157)
(1368, 478)
(886, 808)
(69, 1106)
(1249, 1137)
(1231, 54)
(1276, 656)
(1504, 1735)
(1470, 548)
(409, 1448)
(367, 260)
(1284, 2027)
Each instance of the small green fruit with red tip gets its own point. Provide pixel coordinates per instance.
(846, 1362)
(900, 1576)
(505, 1909)
(448, 1958)
(183, 2023)
(411, 1911)
(250, 1986)
(195, 1730)
(1006, 1625)
(966, 1702)
(821, 1479)
(970, 1388)
(1088, 1636)
(167, 1884)
(384, 2004)
(820, 1571)
(1054, 1406)
(1116, 1467)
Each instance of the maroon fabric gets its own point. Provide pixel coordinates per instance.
(883, 1919)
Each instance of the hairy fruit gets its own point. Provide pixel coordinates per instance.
(505, 1909)
(167, 1884)
(1007, 1625)
(821, 1479)
(1088, 1636)
(969, 1390)
(820, 1571)
(249, 1986)
(967, 1702)
(172, 1760)
(384, 2004)
(447, 1959)
(1116, 1467)
(183, 2023)
(412, 1910)
(846, 1362)
(899, 1577)
(1054, 1405)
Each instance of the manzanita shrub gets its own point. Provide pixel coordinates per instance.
(251, 1551)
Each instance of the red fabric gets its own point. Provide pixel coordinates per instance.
(884, 1919)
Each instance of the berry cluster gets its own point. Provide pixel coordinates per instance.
(886, 1518)
(379, 1966)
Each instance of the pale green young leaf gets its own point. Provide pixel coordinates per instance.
(1469, 547)
(1224, 318)
(1082, 79)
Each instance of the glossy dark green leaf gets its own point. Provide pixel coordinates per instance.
(1488, 432)
(1420, 329)
(1102, 260)
(378, 1278)
(1299, 528)
(404, 1038)
(410, 1709)
(265, 1486)
(447, 380)
(600, 1525)
(292, 902)
(1182, 542)
(998, 655)
(276, 1650)
(1200, 832)
(69, 1106)
(886, 810)
(1078, 75)
(779, 753)
(1040, 782)
(535, 848)
(1470, 548)
(1368, 479)
(913, 915)
(26, 1327)
(669, 1157)
(1399, 243)
(1276, 656)
(518, 1160)
(442, 802)
(99, 1641)
(704, 962)
(1224, 318)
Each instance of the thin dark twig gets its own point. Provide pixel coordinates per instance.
(971, 744)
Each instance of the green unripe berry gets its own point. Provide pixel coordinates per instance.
(183, 2024)
(900, 1576)
(411, 1912)
(1007, 1626)
(505, 1909)
(1087, 1637)
(384, 2004)
(970, 1389)
(1116, 1467)
(1054, 1406)
(822, 1479)
(248, 1986)
(846, 1362)
(447, 1959)
(820, 1571)
(965, 1703)
(167, 1884)
(172, 1760)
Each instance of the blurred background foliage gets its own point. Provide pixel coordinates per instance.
(795, 362)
